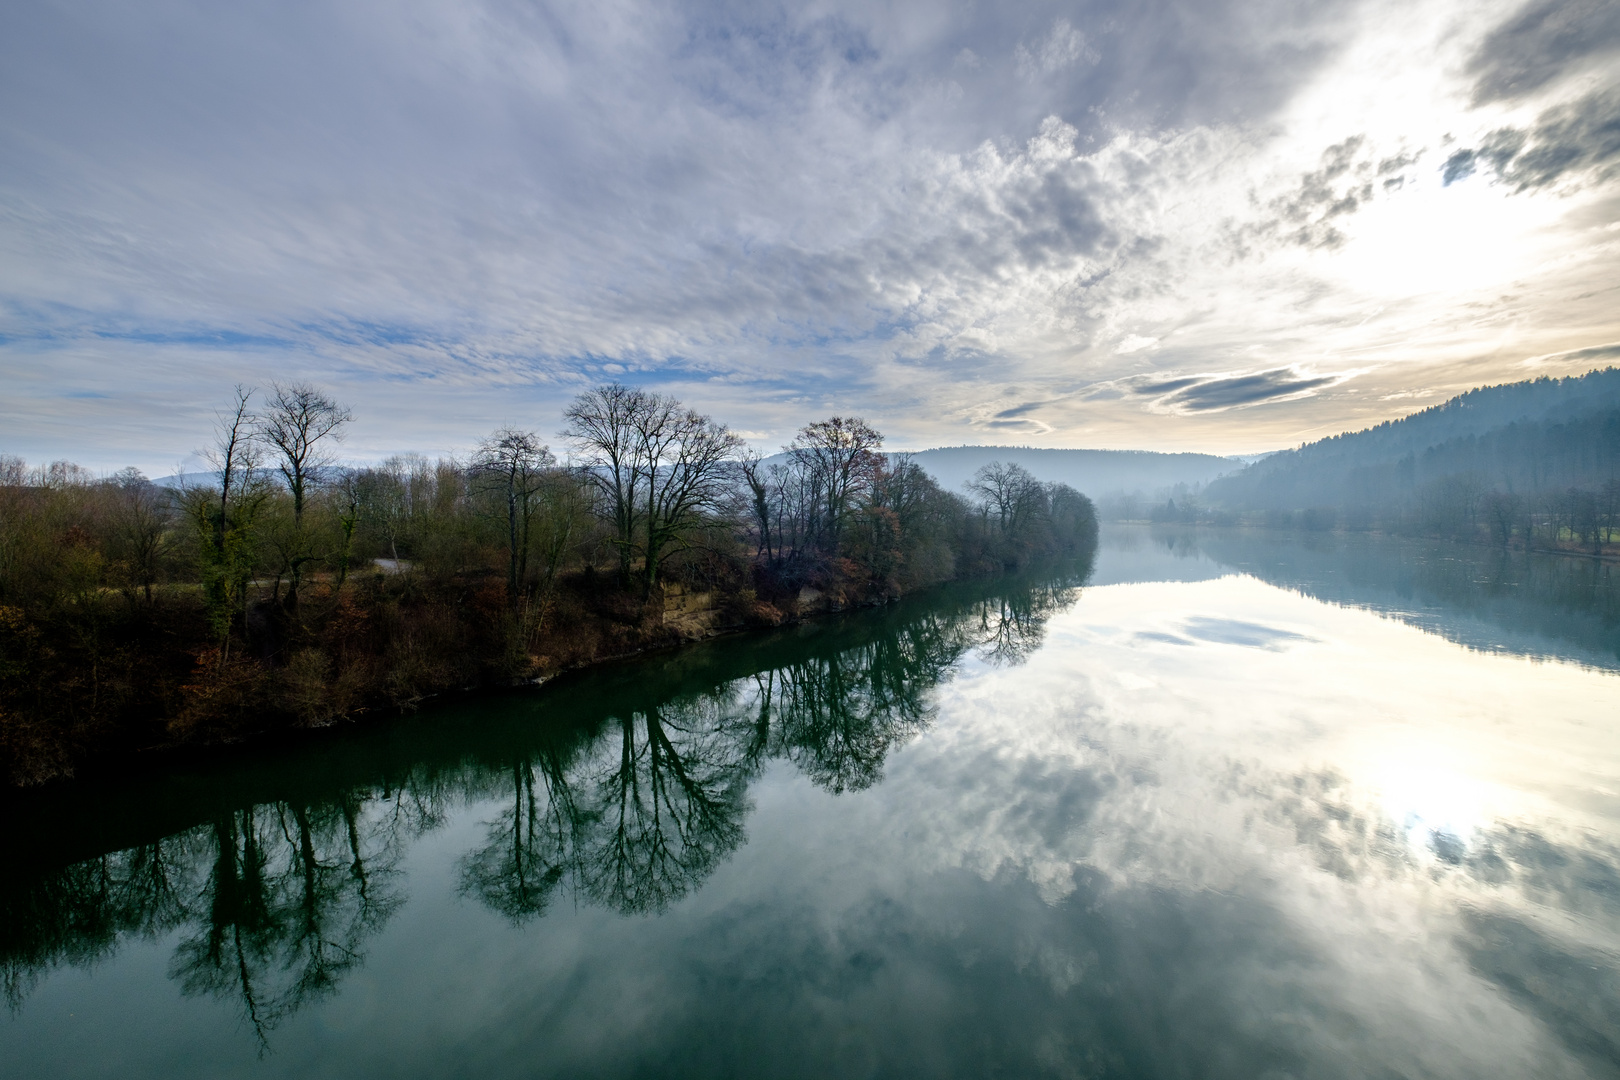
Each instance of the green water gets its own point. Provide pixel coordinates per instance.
(1217, 804)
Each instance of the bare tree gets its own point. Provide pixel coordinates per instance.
(687, 460)
(761, 501)
(658, 465)
(226, 515)
(840, 460)
(394, 496)
(603, 427)
(350, 499)
(512, 464)
(565, 506)
(234, 457)
(141, 518)
(299, 425)
(1009, 491)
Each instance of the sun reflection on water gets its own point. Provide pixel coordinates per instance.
(1439, 809)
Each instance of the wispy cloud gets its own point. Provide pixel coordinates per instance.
(1210, 393)
(1592, 354)
(1057, 49)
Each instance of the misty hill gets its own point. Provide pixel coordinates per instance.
(186, 479)
(1097, 473)
(1528, 438)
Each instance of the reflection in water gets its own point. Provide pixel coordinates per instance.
(531, 845)
(1539, 916)
(1195, 825)
(1534, 604)
(273, 903)
(1013, 626)
(628, 794)
(288, 901)
(644, 814)
(666, 807)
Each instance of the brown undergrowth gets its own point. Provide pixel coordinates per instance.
(109, 677)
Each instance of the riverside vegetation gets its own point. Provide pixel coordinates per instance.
(291, 592)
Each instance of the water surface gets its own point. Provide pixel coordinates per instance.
(1221, 804)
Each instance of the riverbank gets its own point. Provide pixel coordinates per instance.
(149, 682)
(1609, 551)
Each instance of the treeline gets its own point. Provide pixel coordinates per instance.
(1534, 464)
(293, 591)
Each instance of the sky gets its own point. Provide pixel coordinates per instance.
(1217, 225)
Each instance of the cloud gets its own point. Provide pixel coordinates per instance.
(1548, 44)
(1020, 410)
(1342, 183)
(1588, 355)
(1205, 394)
(1579, 137)
(1063, 46)
(1247, 634)
(1167, 385)
(1544, 42)
(770, 210)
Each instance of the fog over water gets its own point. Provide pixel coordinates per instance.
(1224, 803)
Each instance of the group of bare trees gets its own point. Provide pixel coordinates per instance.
(63, 532)
(66, 534)
(668, 478)
(661, 471)
(834, 493)
(292, 437)
(1027, 516)
(648, 479)
(142, 612)
(806, 503)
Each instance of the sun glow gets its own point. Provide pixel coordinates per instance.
(1429, 800)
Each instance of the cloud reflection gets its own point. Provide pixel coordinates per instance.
(915, 854)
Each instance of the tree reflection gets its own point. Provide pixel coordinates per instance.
(288, 903)
(1530, 603)
(666, 808)
(531, 845)
(839, 716)
(78, 913)
(644, 813)
(629, 796)
(1013, 625)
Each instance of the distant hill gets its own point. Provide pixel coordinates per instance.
(1097, 473)
(186, 479)
(1528, 438)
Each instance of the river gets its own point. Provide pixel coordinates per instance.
(1216, 803)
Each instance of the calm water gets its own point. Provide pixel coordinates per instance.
(1222, 804)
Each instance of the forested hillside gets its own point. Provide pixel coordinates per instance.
(1535, 460)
